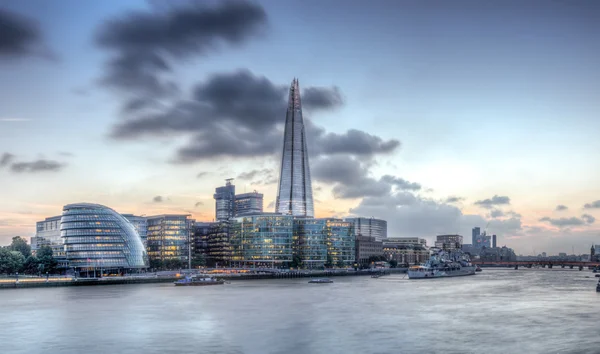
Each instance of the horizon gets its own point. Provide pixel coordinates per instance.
(434, 117)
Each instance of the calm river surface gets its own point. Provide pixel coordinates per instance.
(496, 311)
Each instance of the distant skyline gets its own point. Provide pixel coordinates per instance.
(437, 116)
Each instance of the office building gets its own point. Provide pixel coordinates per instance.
(48, 233)
(140, 224)
(310, 242)
(475, 235)
(261, 240)
(200, 233)
(366, 247)
(406, 250)
(248, 203)
(449, 242)
(98, 238)
(294, 196)
(369, 227)
(494, 241)
(225, 201)
(36, 242)
(169, 237)
(341, 242)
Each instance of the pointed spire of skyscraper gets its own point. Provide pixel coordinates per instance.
(294, 195)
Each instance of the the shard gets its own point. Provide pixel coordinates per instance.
(294, 196)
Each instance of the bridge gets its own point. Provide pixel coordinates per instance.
(541, 263)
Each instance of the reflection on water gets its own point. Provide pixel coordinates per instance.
(496, 311)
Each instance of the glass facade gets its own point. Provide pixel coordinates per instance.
(140, 224)
(310, 241)
(340, 242)
(225, 201)
(370, 227)
(294, 195)
(169, 237)
(261, 240)
(48, 233)
(248, 203)
(96, 236)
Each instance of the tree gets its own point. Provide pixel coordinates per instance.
(156, 264)
(393, 263)
(20, 245)
(31, 265)
(329, 262)
(47, 262)
(10, 261)
(340, 264)
(296, 261)
(198, 261)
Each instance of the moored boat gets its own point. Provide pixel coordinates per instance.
(321, 281)
(478, 269)
(198, 280)
(443, 264)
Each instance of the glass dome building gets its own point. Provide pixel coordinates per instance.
(97, 237)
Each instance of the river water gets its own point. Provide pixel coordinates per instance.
(496, 311)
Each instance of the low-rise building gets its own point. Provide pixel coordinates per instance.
(367, 247)
(449, 242)
(169, 237)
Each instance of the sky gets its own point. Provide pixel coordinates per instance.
(436, 116)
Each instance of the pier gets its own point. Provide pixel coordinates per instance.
(538, 263)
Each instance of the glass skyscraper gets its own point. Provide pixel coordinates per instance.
(248, 203)
(225, 201)
(294, 196)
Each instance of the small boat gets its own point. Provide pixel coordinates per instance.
(598, 287)
(478, 269)
(375, 276)
(200, 280)
(321, 281)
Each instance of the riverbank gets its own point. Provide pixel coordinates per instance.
(61, 282)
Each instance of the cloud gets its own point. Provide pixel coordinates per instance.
(145, 43)
(400, 183)
(453, 199)
(240, 115)
(592, 205)
(265, 176)
(198, 204)
(409, 215)
(497, 213)
(20, 37)
(572, 221)
(322, 97)
(37, 166)
(588, 218)
(561, 207)
(351, 178)
(14, 119)
(6, 159)
(202, 174)
(495, 200)
(66, 154)
(513, 214)
(158, 199)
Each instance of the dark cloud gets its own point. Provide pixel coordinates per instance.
(495, 200)
(241, 115)
(158, 199)
(6, 159)
(453, 199)
(497, 213)
(198, 204)
(37, 166)
(322, 97)
(400, 183)
(19, 36)
(572, 221)
(351, 178)
(145, 43)
(588, 218)
(248, 176)
(561, 207)
(592, 205)
(202, 174)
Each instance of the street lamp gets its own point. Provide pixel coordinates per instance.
(17, 274)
